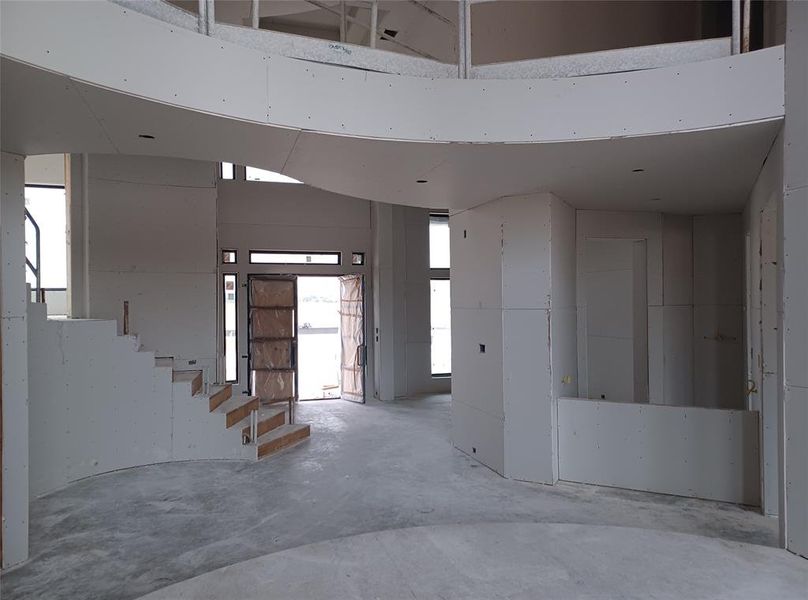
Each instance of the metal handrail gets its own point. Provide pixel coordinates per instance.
(37, 271)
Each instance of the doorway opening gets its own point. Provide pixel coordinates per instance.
(306, 337)
(318, 331)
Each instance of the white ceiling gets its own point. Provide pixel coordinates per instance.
(701, 171)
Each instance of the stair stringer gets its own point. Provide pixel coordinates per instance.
(98, 403)
(201, 434)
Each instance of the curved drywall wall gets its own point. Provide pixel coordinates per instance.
(374, 135)
(107, 45)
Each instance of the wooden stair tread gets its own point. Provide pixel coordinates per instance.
(234, 402)
(265, 413)
(282, 437)
(192, 377)
(181, 376)
(218, 394)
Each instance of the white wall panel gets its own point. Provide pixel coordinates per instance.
(796, 480)
(656, 355)
(153, 170)
(479, 434)
(527, 391)
(152, 242)
(693, 356)
(173, 313)
(176, 66)
(502, 286)
(718, 312)
(98, 404)
(476, 246)
(610, 312)
(677, 256)
(156, 228)
(610, 368)
(718, 259)
(477, 375)
(685, 451)
(13, 293)
(266, 203)
(45, 169)
(793, 262)
(563, 313)
(795, 297)
(626, 225)
(526, 252)
(678, 355)
(369, 104)
(718, 354)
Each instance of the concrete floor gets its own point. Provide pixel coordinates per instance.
(509, 560)
(365, 469)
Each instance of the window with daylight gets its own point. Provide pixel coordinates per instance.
(229, 257)
(440, 313)
(254, 174)
(267, 257)
(47, 214)
(228, 170)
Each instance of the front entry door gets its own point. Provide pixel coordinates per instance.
(352, 333)
(272, 327)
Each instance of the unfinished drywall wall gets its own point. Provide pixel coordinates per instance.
(152, 242)
(616, 319)
(98, 403)
(563, 309)
(684, 451)
(718, 374)
(694, 343)
(14, 378)
(505, 375)
(279, 216)
(761, 355)
(793, 261)
(402, 303)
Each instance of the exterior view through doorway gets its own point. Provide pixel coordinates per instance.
(307, 339)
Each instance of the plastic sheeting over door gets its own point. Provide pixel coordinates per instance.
(273, 339)
(352, 331)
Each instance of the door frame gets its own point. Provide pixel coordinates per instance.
(287, 275)
(364, 344)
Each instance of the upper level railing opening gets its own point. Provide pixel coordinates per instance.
(484, 39)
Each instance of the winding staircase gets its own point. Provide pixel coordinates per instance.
(269, 428)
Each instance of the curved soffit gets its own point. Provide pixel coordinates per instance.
(373, 135)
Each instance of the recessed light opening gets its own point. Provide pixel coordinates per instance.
(421, 181)
(637, 170)
(146, 136)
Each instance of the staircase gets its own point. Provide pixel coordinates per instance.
(100, 402)
(267, 428)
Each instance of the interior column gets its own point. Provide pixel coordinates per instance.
(793, 223)
(513, 331)
(14, 359)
